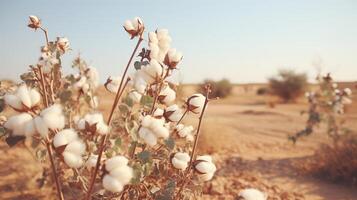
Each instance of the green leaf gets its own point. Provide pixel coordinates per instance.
(137, 174)
(13, 140)
(128, 101)
(146, 100)
(144, 156)
(170, 143)
(167, 193)
(2, 104)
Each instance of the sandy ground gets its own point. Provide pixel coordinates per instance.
(248, 140)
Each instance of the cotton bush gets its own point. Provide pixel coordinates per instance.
(140, 151)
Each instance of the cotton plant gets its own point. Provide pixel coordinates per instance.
(140, 148)
(326, 104)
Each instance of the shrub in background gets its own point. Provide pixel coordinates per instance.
(288, 84)
(221, 88)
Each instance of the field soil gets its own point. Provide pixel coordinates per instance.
(247, 136)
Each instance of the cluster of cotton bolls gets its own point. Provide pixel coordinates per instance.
(118, 174)
(87, 80)
(94, 119)
(74, 147)
(26, 100)
(153, 128)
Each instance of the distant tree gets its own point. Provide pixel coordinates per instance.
(288, 84)
(221, 88)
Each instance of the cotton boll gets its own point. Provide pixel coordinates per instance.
(180, 160)
(112, 184)
(205, 177)
(76, 147)
(252, 194)
(62, 44)
(154, 69)
(162, 132)
(196, 102)
(167, 95)
(123, 174)
(17, 123)
(13, 101)
(158, 112)
(92, 161)
(128, 25)
(80, 83)
(153, 38)
(72, 160)
(35, 97)
(173, 113)
(30, 128)
(146, 121)
(347, 91)
(93, 77)
(148, 137)
(184, 131)
(41, 126)
(116, 161)
(64, 137)
(205, 167)
(24, 95)
(162, 33)
(135, 96)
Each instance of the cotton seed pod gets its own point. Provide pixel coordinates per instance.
(76, 147)
(180, 160)
(195, 103)
(185, 131)
(251, 194)
(41, 126)
(112, 184)
(167, 95)
(173, 113)
(134, 27)
(62, 44)
(34, 22)
(172, 58)
(158, 113)
(18, 123)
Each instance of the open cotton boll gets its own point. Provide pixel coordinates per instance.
(30, 128)
(158, 112)
(172, 58)
(134, 27)
(184, 131)
(205, 167)
(53, 117)
(251, 194)
(115, 162)
(123, 174)
(72, 160)
(135, 96)
(64, 137)
(180, 160)
(195, 103)
(62, 44)
(18, 123)
(173, 113)
(91, 119)
(80, 83)
(167, 95)
(92, 161)
(112, 184)
(148, 136)
(41, 126)
(347, 91)
(93, 77)
(161, 131)
(24, 95)
(13, 101)
(76, 147)
(154, 69)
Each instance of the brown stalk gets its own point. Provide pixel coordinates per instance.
(115, 103)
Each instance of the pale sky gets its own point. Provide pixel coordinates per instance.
(244, 41)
